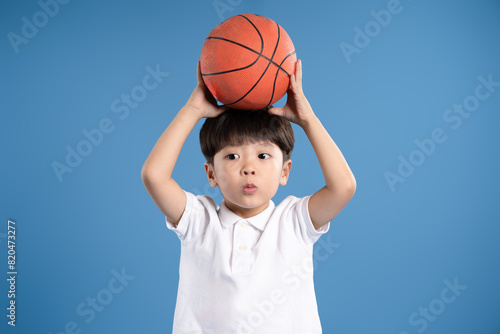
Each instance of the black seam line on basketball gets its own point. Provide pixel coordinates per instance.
(277, 71)
(242, 68)
(236, 69)
(262, 75)
(262, 41)
(227, 40)
(252, 50)
(258, 32)
(288, 55)
(276, 76)
(274, 83)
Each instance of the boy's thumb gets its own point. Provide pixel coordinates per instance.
(276, 111)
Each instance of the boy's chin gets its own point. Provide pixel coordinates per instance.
(248, 206)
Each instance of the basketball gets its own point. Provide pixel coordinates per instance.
(246, 62)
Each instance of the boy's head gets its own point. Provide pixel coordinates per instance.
(237, 127)
(248, 157)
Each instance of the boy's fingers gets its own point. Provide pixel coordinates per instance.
(222, 108)
(276, 111)
(290, 83)
(298, 70)
(295, 85)
(198, 73)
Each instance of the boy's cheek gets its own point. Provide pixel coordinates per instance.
(224, 174)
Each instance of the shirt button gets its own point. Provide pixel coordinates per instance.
(242, 247)
(243, 224)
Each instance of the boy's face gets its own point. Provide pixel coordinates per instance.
(248, 176)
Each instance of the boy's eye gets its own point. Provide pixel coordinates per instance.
(232, 156)
(264, 156)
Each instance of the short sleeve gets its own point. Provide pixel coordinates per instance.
(302, 223)
(194, 219)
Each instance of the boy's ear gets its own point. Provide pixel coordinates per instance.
(209, 169)
(285, 172)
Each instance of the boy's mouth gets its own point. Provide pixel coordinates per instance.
(249, 188)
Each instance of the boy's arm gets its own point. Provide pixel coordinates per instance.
(157, 170)
(326, 203)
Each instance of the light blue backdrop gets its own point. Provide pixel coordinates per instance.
(412, 100)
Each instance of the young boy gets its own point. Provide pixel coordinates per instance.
(246, 266)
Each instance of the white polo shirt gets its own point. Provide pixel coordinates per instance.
(244, 276)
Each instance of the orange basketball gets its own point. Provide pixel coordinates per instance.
(246, 62)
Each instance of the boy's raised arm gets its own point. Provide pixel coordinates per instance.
(326, 203)
(157, 170)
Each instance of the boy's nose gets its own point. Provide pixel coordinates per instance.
(248, 171)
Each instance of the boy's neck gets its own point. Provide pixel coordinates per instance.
(246, 212)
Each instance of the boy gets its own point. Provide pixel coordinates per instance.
(246, 266)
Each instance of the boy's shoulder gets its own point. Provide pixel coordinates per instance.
(294, 204)
(291, 213)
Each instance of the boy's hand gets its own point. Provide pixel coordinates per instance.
(297, 109)
(202, 101)
(157, 171)
(326, 203)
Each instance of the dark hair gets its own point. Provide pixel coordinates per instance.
(237, 127)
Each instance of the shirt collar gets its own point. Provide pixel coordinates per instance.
(229, 218)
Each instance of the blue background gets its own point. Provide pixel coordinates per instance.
(393, 248)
